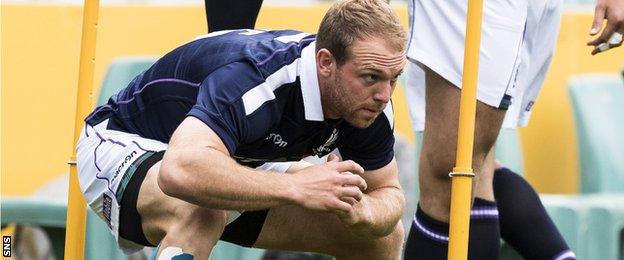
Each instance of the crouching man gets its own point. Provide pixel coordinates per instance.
(178, 158)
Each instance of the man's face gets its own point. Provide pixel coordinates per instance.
(359, 89)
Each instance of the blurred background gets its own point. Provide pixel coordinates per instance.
(567, 149)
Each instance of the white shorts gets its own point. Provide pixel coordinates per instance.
(517, 43)
(103, 159)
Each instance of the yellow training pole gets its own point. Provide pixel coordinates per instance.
(76, 209)
(461, 190)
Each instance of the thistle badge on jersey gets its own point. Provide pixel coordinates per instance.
(325, 148)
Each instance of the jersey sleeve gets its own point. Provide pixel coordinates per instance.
(220, 105)
(372, 147)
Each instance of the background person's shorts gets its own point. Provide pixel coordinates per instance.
(517, 43)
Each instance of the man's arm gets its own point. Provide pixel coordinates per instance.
(382, 205)
(197, 168)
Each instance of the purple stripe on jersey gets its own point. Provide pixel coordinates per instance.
(193, 84)
(565, 255)
(85, 130)
(431, 234)
(168, 80)
(288, 46)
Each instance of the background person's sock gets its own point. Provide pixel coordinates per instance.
(484, 238)
(524, 223)
(428, 238)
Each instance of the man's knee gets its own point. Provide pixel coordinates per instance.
(395, 238)
(438, 162)
(386, 245)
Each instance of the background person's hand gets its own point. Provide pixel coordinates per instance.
(611, 36)
(333, 186)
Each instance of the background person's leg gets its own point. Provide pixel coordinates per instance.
(231, 14)
(437, 160)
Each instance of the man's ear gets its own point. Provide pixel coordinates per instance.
(325, 62)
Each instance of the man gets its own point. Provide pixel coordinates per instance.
(170, 159)
(517, 43)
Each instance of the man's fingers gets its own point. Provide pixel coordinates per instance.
(340, 207)
(332, 158)
(604, 36)
(354, 180)
(598, 49)
(351, 192)
(599, 15)
(349, 166)
(349, 200)
(616, 38)
(614, 41)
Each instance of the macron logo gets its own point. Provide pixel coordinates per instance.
(276, 139)
(125, 161)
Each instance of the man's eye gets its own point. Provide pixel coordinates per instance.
(370, 78)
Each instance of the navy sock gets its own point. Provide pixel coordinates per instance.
(428, 238)
(524, 223)
(484, 238)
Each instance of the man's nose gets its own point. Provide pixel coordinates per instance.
(383, 93)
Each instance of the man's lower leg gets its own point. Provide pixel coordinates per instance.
(524, 222)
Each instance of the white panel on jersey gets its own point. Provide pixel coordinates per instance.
(292, 38)
(217, 33)
(252, 32)
(310, 89)
(256, 96)
(212, 34)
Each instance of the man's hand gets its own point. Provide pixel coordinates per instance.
(359, 220)
(333, 186)
(611, 36)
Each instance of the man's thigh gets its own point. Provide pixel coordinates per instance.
(294, 228)
(160, 213)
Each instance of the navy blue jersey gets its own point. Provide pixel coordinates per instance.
(258, 90)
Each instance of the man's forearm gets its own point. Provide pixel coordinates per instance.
(385, 206)
(222, 183)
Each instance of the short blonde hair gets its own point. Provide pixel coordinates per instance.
(350, 20)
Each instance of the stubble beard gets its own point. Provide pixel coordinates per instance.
(344, 105)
